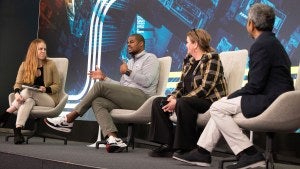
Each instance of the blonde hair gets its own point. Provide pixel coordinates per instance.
(202, 37)
(31, 61)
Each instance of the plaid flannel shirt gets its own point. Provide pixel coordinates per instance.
(208, 78)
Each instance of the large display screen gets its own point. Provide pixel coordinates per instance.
(94, 32)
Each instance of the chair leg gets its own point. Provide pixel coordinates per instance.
(27, 135)
(100, 142)
(99, 138)
(130, 136)
(36, 133)
(269, 150)
(129, 139)
(224, 160)
(8, 136)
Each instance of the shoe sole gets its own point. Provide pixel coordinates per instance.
(201, 164)
(62, 129)
(164, 155)
(114, 149)
(20, 141)
(255, 165)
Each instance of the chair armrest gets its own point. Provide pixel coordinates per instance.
(41, 111)
(281, 116)
(141, 115)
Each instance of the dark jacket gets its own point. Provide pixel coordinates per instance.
(269, 75)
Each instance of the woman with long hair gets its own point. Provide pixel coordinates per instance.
(37, 84)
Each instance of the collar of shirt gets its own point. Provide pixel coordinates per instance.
(137, 56)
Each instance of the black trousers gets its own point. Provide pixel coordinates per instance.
(186, 135)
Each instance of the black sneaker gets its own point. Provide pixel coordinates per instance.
(249, 161)
(162, 151)
(180, 152)
(195, 158)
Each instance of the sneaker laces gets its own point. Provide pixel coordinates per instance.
(58, 119)
(111, 140)
(162, 147)
(114, 140)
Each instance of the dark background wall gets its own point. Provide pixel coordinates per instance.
(18, 26)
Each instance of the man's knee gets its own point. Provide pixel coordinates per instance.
(99, 101)
(216, 107)
(98, 84)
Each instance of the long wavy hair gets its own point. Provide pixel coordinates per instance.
(31, 61)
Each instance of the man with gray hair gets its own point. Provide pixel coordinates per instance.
(269, 76)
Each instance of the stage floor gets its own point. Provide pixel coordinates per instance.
(80, 155)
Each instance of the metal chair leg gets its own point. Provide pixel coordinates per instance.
(130, 135)
(269, 151)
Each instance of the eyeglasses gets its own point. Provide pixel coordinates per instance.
(196, 33)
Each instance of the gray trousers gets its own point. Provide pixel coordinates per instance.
(103, 97)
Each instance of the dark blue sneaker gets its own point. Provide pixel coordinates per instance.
(162, 151)
(194, 157)
(249, 161)
(180, 152)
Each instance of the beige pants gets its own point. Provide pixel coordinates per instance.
(221, 122)
(32, 98)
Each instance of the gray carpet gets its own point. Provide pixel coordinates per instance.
(78, 153)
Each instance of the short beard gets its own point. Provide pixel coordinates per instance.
(132, 54)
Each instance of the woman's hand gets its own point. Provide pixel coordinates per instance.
(18, 97)
(42, 89)
(170, 107)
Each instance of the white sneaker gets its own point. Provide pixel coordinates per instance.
(115, 145)
(59, 123)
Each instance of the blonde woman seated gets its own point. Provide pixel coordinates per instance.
(40, 73)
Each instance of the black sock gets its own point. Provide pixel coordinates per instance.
(202, 150)
(250, 150)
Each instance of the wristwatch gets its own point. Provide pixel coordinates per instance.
(128, 72)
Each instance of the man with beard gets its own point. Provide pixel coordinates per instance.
(138, 82)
